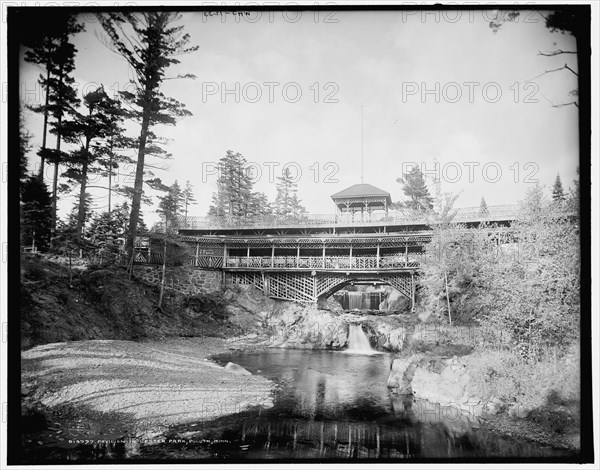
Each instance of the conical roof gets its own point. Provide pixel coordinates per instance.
(361, 190)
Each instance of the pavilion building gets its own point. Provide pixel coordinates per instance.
(362, 199)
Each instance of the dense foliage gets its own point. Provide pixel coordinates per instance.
(523, 281)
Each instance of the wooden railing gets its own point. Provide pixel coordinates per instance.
(291, 262)
(400, 217)
(327, 262)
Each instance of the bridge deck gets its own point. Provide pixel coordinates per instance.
(400, 218)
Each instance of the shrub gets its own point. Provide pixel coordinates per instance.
(531, 384)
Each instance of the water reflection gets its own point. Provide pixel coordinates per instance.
(331, 406)
(324, 384)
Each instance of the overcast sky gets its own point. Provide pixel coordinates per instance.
(435, 87)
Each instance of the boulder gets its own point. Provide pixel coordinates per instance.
(394, 302)
(236, 369)
(447, 387)
(297, 326)
(387, 332)
(401, 374)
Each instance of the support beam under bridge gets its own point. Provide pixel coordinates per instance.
(315, 287)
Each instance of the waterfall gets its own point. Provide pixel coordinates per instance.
(355, 300)
(358, 343)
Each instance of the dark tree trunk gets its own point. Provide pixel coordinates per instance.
(138, 188)
(41, 173)
(83, 187)
(110, 161)
(57, 163)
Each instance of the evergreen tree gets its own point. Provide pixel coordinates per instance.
(150, 48)
(46, 42)
(558, 194)
(36, 214)
(73, 217)
(107, 233)
(63, 100)
(416, 190)
(259, 205)
(24, 146)
(287, 203)
(111, 156)
(483, 208)
(100, 121)
(170, 206)
(234, 187)
(188, 198)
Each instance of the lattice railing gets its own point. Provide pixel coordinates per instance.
(402, 283)
(327, 281)
(318, 262)
(208, 262)
(304, 287)
(292, 286)
(145, 257)
(247, 278)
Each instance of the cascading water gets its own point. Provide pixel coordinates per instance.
(355, 301)
(358, 343)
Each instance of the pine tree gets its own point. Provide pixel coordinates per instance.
(287, 203)
(36, 214)
(558, 194)
(24, 146)
(416, 190)
(483, 208)
(234, 187)
(188, 198)
(45, 39)
(106, 234)
(170, 206)
(151, 48)
(259, 205)
(63, 99)
(101, 120)
(73, 217)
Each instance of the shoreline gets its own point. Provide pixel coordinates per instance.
(134, 389)
(111, 390)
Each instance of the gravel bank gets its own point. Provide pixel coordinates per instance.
(151, 385)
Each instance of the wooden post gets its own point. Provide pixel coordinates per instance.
(406, 256)
(272, 255)
(197, 252)
(298, 256)
(412, 291)
(224, 255)
(350, 256)
(377, 255)
(248, 256)
(448, 298)
(323, 255)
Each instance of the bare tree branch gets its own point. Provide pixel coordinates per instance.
(556, 52)
(554, 70)
(565, 104)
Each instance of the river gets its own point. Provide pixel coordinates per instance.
(335, 406)
(328, 406)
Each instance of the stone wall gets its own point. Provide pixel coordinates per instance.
(183, 279)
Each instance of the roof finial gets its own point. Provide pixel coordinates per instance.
(362, 145)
